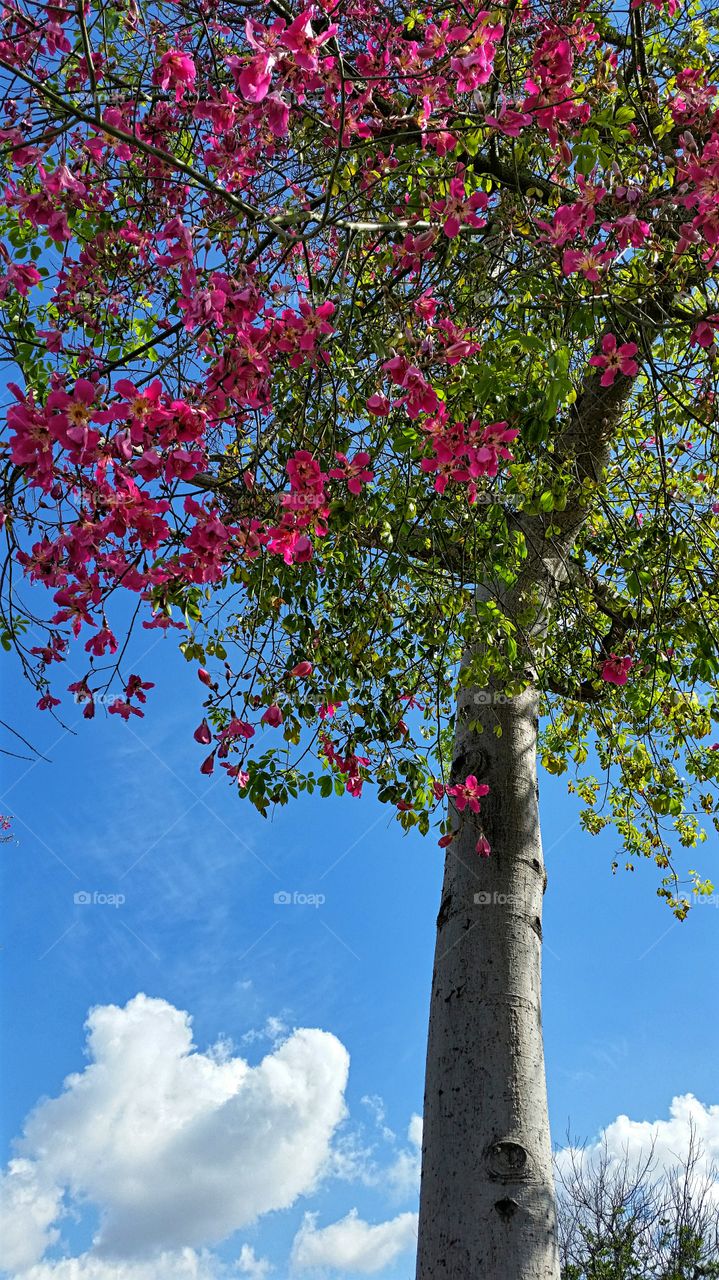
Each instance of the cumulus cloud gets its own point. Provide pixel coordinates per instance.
(669, 1139)
(28, 1208)
(182, 1264)
(177, 1148)
(248, 1264)
(352, 1244)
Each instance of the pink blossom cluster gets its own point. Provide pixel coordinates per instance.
(349, 765)
(466, 795)
(462, 454)
(457, 210)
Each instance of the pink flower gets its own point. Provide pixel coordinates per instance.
(76, 407)
(615, 360)
(272, 716)
(588, 261)
(565, 224)
(303, 668)
(475, 68)
(102, 640)
(304, 471)
(508, 121)
(202, 734)
(254, 77)
(52, 339)
(123, 709)
(236, 729)
(135, 688)
(236, 771)
(616, 670)
(704, 334)
(277, 114)
(205, 678)
(628, 230)
(294, 547)
(468, 793)
(22, 276)
(482, 847)
(378, 405)
(300, 39)
(208, 766)
(458, 210)
(176, 70)
(354, 471)
(47, 702)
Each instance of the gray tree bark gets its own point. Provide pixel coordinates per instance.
(487, 1208)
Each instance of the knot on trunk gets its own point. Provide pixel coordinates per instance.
(506, 1208)
(467, 762)
(507, 1161)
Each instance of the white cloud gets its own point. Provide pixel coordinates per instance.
(375, 1105)
(395, 1170)
(352, 1244)
(403, 1174)
(250, 1265)
(670, 1138)
(177, 1148)
(182, 1264)
(28, 1209)
(274, 1030)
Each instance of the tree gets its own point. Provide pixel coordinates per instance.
(621, 1219)
(373, 348)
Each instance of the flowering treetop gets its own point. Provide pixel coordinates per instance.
(348, 340)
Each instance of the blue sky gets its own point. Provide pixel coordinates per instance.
(630, 999)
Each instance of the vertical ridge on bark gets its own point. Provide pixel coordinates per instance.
(487, 1208)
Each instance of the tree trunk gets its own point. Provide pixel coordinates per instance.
(487, 1209)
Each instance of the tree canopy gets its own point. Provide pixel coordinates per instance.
(355, 341)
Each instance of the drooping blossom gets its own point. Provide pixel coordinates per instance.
(704, 335)
(176, 70)
(302, 669)
(616, 670)
(272, 716)
(202, 733)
